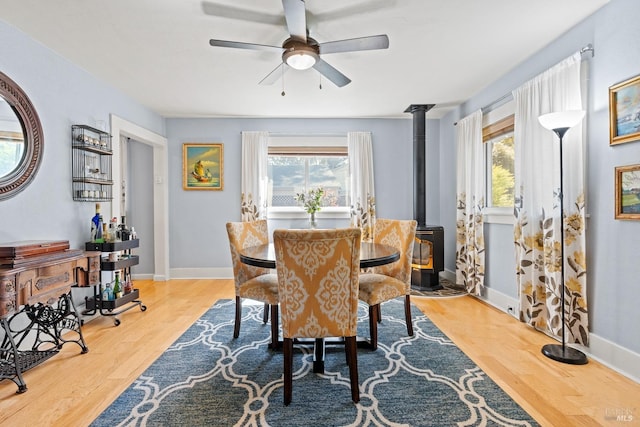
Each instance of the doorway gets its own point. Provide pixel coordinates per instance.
(158, 185)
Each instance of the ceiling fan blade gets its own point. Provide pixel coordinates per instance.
(273, 76)
(354, 8)
(331, 73)
(232, 12)
(242, 45)
(352, 45)
(296, 16)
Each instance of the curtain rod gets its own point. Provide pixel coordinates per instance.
(337, 134)
(491, 106)
(302, 135)
(588, 48)
(497, 102)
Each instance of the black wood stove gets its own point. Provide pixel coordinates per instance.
(428, 249)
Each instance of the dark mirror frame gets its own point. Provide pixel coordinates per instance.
(33, 138)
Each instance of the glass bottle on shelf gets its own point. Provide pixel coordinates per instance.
(116, 235)
(128, 286)
(123, 231)
(117, 290)
(100, 230)
(107, 294)
(111, 232)
(95, 223)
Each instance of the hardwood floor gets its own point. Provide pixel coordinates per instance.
(71, 389)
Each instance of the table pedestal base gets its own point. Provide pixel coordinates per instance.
(320, 348)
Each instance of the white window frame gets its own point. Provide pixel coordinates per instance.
(496, 215)
(309, 142)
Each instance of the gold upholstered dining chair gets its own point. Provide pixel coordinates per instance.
(318, 287)
(390, 281)
(253, 282)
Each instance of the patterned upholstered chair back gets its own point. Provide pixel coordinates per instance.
(243, 235)
(399, 234)
(318, 281)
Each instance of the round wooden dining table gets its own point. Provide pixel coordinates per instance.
(371, 255)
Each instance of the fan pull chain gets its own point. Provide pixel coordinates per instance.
(282, 70)
(320, 85)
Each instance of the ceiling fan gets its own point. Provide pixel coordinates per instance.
(302, 52)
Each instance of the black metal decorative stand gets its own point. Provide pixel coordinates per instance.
(47, 329)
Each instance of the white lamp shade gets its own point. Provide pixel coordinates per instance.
(562, 119)
(301, 61)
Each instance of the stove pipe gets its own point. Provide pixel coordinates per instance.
(419, 162)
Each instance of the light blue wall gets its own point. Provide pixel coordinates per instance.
(613, 254)
(62, 94)
(197, 233)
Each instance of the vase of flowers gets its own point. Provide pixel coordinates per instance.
(311, 201)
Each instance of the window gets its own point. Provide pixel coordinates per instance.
(497, 134)
(500, 164)
(299, 168)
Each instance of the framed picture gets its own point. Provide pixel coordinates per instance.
(202, 166)
(624, 111)
(628, 192)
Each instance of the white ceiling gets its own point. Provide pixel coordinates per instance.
(157, 51)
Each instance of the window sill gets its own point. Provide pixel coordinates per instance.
(498, 216)
(298, 213)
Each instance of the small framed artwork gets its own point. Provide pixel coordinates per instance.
(628, 192)
(624, 111)
(202, 166)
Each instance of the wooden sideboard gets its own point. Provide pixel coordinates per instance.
(37, 313)
(43, 278)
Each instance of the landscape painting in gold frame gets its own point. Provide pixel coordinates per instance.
(628, 192)
(624, 111)
(202, 166)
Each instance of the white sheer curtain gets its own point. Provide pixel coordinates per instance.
(537, 211)
(363, 207)
(470, 201)
(254, 175)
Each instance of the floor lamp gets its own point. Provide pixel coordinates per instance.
(560, 123)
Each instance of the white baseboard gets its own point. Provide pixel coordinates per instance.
(614, 356)
(154, 277)
(610, 354)
(201, 273)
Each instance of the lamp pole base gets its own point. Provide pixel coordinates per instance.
(564, 354)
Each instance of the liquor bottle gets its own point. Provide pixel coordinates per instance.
(94, 223)
(123, 231)
(114, 224)
(107, 294)
(102, 231)
(117, 290)
(110, 237)
(128, 286)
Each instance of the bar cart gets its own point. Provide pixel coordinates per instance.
(125, 260)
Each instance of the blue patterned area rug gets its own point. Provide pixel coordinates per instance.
(207, 378)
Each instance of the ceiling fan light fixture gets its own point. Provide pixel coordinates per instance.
(300, 55)
(301, 60)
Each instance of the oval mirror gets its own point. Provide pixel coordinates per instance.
(21, 140)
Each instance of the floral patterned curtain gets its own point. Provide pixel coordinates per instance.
(254, 175)
(363, 202)
(470, 202)
(537, 210)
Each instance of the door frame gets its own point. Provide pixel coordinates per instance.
(121, 127)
